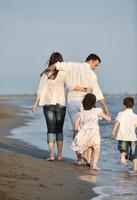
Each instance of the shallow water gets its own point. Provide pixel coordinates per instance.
(114, 181)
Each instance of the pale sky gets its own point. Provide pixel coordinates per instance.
(30, 30)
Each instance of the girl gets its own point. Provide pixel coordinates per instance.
(87, 129)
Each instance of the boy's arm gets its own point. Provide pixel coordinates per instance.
(116, 125)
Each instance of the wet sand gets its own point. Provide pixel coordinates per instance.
(26, 175)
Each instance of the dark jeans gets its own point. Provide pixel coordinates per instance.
(55, 115)
(129, 147)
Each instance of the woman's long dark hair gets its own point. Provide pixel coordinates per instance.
(55, 57)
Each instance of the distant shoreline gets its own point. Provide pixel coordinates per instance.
(32, 96)
(17, 96)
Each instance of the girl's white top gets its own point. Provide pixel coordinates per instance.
(89, 118)
(52, 92)
(88, 134)
(128, 124)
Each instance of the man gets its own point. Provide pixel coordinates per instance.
(81, 76)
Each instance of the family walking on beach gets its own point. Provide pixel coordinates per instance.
(79, 82)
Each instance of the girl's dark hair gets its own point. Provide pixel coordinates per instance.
(128, 102)
(55, 57)
(93, 56)
(89, 101)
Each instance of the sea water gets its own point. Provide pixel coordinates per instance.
(113, 182)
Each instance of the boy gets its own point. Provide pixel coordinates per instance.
(125, 125)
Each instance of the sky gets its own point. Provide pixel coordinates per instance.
(30, 30)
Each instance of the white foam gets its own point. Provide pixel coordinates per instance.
(113, 191)
(34, 132)
(32, 138)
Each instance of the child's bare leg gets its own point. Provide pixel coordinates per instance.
(78, 155)
(87, 156)
(78, 158)
(122, 158)
(135, 164)
(96, 153)
(89, 153)
(91, 156)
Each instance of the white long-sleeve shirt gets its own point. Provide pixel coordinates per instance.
(82, 75)
(51, 92)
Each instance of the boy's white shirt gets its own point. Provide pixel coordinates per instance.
(128, 125)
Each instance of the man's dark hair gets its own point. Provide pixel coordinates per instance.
(128, 102)
(93, 56)
(89, 101)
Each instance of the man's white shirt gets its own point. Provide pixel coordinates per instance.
(82, 75)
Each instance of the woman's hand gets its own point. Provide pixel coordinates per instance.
(35, 106)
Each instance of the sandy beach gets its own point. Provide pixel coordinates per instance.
(26, 175)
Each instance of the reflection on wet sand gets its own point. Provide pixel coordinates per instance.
(91, 177)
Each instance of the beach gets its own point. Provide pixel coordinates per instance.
(26, 175)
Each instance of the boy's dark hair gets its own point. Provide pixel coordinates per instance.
(89, 101)
(93, 56)
(128, 102)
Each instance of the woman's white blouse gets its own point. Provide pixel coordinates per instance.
(52, 92)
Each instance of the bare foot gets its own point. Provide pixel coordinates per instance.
(123, 158)
(85, 162)
(96, 168)
(78, 163)
(135, 164)
(50, 159)
(59, 158)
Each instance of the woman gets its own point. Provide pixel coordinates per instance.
(51, 96)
